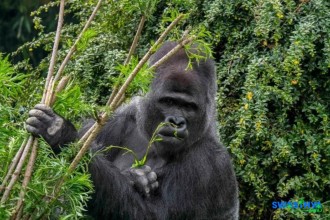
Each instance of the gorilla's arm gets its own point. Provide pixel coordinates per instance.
(114, 197)
(118, 194)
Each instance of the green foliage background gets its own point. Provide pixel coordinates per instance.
(273, 61)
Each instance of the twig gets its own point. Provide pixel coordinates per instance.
(172, 52)
(55, 49)
(74, 46)
(60, 86)
(17, 171)
(27, 177)
(130, 53)
(136, 39)
(13, 165)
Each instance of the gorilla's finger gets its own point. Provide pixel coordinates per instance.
(146, 191)
(49, 111)
(40, 115)
(142, 181)
(32, 130)
(138, 172)
(152, 176)
(146, 168)
(33, 121)
(154, 185)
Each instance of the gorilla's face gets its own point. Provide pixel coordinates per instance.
(181, 98)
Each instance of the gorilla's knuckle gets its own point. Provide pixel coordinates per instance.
(152, 176)
(142, 180)
(146, 168)
(154, 185)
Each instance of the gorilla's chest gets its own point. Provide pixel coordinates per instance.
(136, 148)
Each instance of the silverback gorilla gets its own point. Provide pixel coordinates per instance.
(188, 175)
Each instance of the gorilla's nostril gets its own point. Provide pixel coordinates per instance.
(178, 121)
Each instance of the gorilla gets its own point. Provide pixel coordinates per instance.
(188, 173)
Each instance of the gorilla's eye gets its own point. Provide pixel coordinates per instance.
(168, 101)
(190, 106)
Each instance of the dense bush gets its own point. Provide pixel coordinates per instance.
(274, 102)
(273, 61)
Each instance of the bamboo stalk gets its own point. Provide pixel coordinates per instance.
(55, 49)
(26, 180)
(74, 46)
(13, 165)
(17, 171)
(136, 39)
(60, 86)
(172, 52)
(130, 53)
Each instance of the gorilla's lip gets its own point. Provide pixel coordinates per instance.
(170, 139)
(167, 133)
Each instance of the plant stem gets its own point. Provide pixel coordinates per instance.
(130, 53)
(74, 46)
(26, 180)
(55, 49)
(13, 164)
(17, 171)
(173, 51)
(136, 39)
(60, 86)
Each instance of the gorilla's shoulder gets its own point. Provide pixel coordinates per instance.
(129, 110)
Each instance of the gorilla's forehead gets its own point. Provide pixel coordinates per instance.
(178, 80)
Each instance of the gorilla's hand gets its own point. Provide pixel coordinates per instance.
(143, 179)
(44, 122)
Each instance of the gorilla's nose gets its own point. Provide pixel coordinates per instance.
(180, 123)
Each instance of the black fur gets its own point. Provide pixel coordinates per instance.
(195, 177)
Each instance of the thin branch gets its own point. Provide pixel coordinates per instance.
(136, 39)
(17, 171)
(172, 52)
(13, 165)
(130, 53)
(74, 46)
(27, 177)
(60, 86)
(55, 49)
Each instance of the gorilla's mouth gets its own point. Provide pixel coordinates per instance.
(170, 134)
